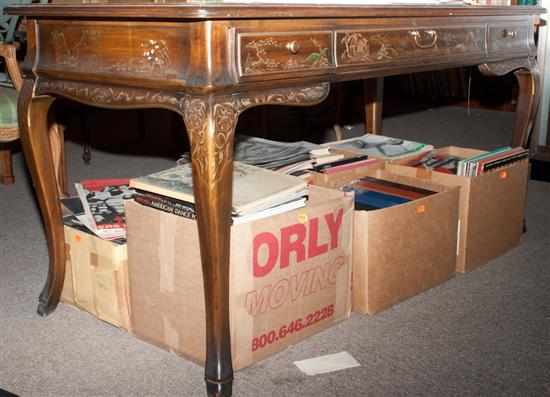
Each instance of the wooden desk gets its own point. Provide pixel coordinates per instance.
(209, 63)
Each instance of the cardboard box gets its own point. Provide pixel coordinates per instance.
(336, 180)
(491, 207)
(400, 251)
(96, 277)
(290, 277)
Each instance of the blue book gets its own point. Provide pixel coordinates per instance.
(370, 200)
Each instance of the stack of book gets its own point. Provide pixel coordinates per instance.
(488, 161)
(344, 162)
(373, 193)
(270, 154)
(257, 192)
(472, 166)
(300, 158)
(297, 158)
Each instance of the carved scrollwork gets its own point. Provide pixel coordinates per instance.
(210, 120)
(505, 67)
(305, 96)
(219, 117)
(195, 116)
(105, 96)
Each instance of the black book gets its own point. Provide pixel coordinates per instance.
(166, 204)
(320, 168)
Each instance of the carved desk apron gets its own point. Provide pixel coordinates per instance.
(209, 63)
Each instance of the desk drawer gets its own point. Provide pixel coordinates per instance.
(284, 52)
(509, 37)
(432, 44)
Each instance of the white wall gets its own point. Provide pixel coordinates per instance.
(541, 122)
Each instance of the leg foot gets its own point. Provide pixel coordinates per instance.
(219, 389)
(44, 309)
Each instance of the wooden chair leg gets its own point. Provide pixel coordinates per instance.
(6, 177)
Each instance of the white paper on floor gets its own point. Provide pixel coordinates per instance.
(328, 363)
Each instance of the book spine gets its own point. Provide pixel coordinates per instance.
(350, 166)
(166, 205)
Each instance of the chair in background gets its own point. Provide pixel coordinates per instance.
(10, 84)
(9, 130)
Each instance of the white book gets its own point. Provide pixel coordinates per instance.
(254, 188)
(382, 147)
(280, 209)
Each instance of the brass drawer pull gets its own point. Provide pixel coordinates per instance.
(293, 47)
(430, 35)
(509, 33)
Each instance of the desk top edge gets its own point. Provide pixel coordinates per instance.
(225, 11)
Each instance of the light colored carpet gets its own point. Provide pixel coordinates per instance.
(486, 333)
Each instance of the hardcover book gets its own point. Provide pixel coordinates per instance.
(393, 188)
(254, 188)
(166, 204)
(500, 157)
(367, 200)
(372, 193)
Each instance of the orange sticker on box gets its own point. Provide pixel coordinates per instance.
(77, 238)
(503, 174)
(421, 209)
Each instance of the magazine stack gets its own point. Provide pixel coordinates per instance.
(304, 159)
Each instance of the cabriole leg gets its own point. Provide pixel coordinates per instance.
(528, 96)
(35, 139)
(211, 137)
(527, 74)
